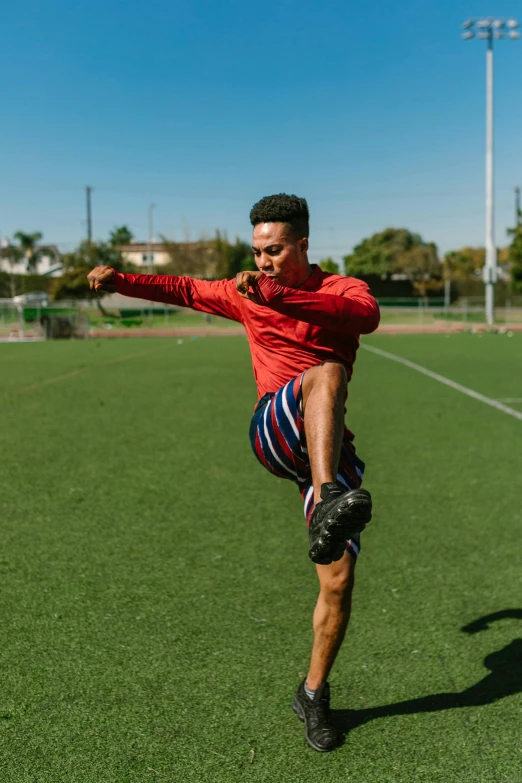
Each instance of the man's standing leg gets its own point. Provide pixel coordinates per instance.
(331, 616)
(324, 391)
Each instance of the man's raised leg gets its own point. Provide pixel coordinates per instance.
(338, 514)
(324, 391)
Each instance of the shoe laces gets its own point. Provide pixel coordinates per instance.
(322, 708)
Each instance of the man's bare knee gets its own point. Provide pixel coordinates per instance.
(337, 580)
(339, 587)
(330, 374)
(334, 371)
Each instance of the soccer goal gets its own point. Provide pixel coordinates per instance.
(22, 320)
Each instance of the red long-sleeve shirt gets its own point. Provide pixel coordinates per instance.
(293, 329)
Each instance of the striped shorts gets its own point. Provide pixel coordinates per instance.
(278, 440)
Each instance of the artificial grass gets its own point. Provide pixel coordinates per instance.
(157, 595)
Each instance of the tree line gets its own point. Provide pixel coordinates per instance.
(395, 253)
(215, 258)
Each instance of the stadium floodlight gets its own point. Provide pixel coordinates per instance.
(490, 29)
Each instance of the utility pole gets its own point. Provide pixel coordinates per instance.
(88, 191)
(517, 206)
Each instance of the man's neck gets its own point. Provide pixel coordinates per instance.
(301, 280)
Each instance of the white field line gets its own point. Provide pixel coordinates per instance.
(446, 381)
(516, 400)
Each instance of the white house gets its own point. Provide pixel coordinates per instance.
(137, 253)
(47, 264)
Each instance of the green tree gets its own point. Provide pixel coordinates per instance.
(421, 265)
(13, 255)
(375, 255)
(73, 284)
(213, 258)
(233, 258)
(396, 251)
(190, 259)
(515, 258)
(121, 235)
(463, 264)
(329, 265)
(466, 263)
(32, 250)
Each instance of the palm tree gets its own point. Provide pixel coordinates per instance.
(12, 255)
(31, 249)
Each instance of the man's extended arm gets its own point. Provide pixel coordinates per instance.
(354, 312)
(218, 297)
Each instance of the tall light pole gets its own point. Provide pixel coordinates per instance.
(149, 244)
(488, 30)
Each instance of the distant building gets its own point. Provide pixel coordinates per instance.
(197, 259)
(137, 253)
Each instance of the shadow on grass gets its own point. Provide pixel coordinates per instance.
(505, 679)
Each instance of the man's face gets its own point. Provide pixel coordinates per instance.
(280, 254)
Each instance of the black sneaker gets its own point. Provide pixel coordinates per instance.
(335, 519)
(315, 713)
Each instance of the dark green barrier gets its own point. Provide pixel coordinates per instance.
(33, 313)
(129, 313)
(409, 302)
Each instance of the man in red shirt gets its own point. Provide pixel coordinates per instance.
(303, 328)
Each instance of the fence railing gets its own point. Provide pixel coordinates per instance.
(466, 310)
(471, 310)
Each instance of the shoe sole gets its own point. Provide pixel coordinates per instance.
(350, 517)
(300, 714)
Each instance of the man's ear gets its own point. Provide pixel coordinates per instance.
(303, 245)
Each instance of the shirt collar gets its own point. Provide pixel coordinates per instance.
(315, 278)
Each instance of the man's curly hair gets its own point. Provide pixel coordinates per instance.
(283, 209)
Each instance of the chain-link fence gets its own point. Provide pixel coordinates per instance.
(70, 319)
(20, 321)
(424, 311)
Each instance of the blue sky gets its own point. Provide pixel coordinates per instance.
(373, 111)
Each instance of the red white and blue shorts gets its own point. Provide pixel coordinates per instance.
(278, 440)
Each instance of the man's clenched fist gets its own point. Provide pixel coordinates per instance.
(102, 279)
(243, 282)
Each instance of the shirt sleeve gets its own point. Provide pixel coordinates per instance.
(353, 311)
(218, 297)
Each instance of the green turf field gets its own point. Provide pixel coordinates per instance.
(156, 590)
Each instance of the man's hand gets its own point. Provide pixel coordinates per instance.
(102, 279)
(243, 282)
